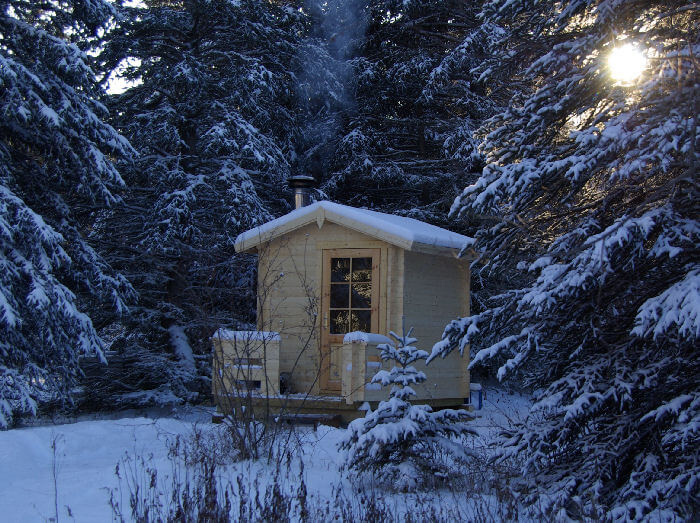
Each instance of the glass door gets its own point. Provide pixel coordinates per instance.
(350, 303)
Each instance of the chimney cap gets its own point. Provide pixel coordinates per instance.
(301, 181)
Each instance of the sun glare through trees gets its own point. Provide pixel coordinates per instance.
(626, 63)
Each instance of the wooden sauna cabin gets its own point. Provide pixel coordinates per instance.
(333, 281)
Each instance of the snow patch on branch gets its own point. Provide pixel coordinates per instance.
(677, 307)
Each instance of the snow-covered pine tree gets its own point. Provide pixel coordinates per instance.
(405, 445)
(55, 169)
(210, 117)
(592, 184)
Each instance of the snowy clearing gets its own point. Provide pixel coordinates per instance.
(88, 451)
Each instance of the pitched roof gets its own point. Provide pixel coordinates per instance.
(407, 233)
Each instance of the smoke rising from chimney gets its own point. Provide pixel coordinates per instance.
(325, 79)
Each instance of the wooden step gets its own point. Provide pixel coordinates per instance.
(332, 420)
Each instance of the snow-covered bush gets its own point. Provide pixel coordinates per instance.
(402, 444)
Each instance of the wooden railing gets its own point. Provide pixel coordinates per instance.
(245, 362)
(445, 378)
(361, 362)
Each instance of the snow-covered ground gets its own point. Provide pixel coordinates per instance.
(87, 453)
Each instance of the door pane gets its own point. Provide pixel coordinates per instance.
(340, 269)
(361, 321)
(350, 295)
(361, 269)
(340, 296)
(361, 296)
(339, 322)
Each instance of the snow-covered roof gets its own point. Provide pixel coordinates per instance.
(407, 233)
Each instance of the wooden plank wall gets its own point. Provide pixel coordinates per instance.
(237, 362)
(436, 291)
(289, 291)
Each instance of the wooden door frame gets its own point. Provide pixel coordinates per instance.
(326, 338)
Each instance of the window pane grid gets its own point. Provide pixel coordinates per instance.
(350, 295)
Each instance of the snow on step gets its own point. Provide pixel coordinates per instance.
(227, 334)
(366, 337)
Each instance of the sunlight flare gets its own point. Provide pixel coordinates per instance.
(626, 63)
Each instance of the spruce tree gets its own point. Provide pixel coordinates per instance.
(591, 183)
(56, 171)
(210, 116)
(404, 445)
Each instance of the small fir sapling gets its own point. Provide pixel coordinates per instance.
(404, 445)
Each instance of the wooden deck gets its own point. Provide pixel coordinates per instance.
(289, 406)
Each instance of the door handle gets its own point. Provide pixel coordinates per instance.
(325, 321)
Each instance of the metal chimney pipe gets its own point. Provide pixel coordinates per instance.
(301, 184)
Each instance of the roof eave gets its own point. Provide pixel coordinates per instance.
(439, 250)
(248, 243)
